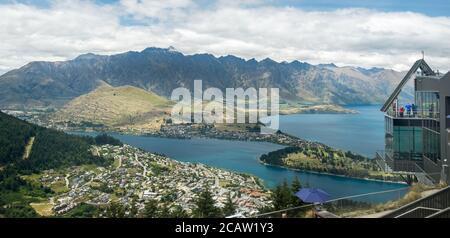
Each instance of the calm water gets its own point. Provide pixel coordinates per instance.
(362, 133)
(242, 156)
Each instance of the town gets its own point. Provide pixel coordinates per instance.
(138, 176)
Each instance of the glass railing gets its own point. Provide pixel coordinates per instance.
(412, 115)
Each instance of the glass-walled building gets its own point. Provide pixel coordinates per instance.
(429, 110)
(427, 104)
(417, 134)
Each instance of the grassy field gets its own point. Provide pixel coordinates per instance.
(43, 208)
(32, 178)
(59, 186)
(90, 167)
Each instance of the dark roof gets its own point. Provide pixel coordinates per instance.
(418, 64)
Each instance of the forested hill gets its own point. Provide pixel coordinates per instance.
(49, 148)
(26, 148)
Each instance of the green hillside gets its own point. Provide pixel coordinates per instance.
(50, 149)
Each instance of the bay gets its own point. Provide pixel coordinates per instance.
(243, 156)
(362, 133)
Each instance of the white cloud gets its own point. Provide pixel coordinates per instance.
(165, 10)
(247, 29)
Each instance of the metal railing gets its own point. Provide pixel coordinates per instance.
(348, 206)
(396, 164)
(423, 176)
(420, 114)
(439, 200)
(381, 160)
(403, 166)
(418, 212)
(441, 214)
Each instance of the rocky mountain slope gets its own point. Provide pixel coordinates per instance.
(43, 84)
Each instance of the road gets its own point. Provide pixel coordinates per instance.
(66, 178)
(142, 165)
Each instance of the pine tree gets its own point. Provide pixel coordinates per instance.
(178, 212)
(132, 213)
(282, 196)
(205, 207)
(115, 210)
(230, 207)
(163, 212)
(295, 187)
(150, 209)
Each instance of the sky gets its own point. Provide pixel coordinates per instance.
(365, 33)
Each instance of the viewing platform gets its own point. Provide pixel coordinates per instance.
(402, 166)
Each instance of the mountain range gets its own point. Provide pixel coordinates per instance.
(53, 84)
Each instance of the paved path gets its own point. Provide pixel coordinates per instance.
(142, 165)
(66, 178)
(120, 162)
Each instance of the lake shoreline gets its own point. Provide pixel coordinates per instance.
(261, 162)
(242, 157)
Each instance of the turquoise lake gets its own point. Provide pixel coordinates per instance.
(362, 132)
(356, 132)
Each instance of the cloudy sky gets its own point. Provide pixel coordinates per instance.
(363, 33)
